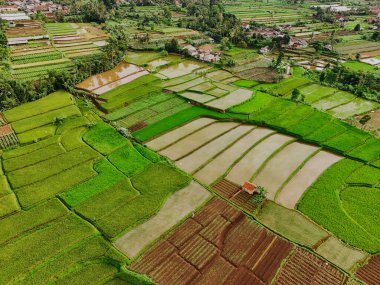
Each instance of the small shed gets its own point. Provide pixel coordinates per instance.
(249, 187)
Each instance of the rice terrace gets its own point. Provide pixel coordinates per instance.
(189, 142)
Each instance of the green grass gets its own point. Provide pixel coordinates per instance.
(128, 160)
(259, 101)
(138, 105)
(104, 139)
(32, 158)
(30, 148)
(95, 249)
(37, 134)
(347, 141)
(129, 87)
(73, 139)
(321, 202)
(327, 131)
(147, 153)
(361, 66)
(366, 175)
(45, 118)
(24, 221)
(361, 204)
(291, 224)
(155, 184)
(368, 152)
(50, 186)
(49, 167)
(293, 117)
(71, 123)
(51, 102)
(273, 110)
(8, 205)
(246, 83)
(175, 120)
(313, 123)
(288, 86)
(130, 96)
(127, 207)
(107, 177)
(28, 251)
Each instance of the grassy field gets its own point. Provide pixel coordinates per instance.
(327, 205)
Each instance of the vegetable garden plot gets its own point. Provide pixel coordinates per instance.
(305, 268)
(179, 205)
(201, 156)
(369, 273)
(256, 157)
(219, 165)
(188, 144)
(302, 180)
(214, 241)
(7, 136)
(172, 136)
(282, 165)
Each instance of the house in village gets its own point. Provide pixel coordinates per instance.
(203, 53)
(267, 33)
(297, 43)
(245, 26)
(264, 50)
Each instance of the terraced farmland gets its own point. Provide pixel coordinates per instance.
(340, 104)
(219, 245)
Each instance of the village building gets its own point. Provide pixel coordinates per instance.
(268, 33)
(203, 53)
(264, 50)
(249, 187)
(245, 26)
(297, 43)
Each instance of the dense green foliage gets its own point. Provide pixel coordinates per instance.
(322, 204)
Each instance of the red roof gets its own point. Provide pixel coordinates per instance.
(249, 187)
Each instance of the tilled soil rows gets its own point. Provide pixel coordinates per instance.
(218, 245)
(370, 272)
(304, 268)
(233, 192)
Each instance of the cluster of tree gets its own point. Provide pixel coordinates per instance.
(4, 52)
(13, 92)
(88, 11)
(361, 84)
(324, 15)
(209, 16)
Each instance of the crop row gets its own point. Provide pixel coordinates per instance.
(22, 59)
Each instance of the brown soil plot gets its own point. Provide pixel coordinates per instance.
(303, 268)
(219, 245)
(370, 273)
